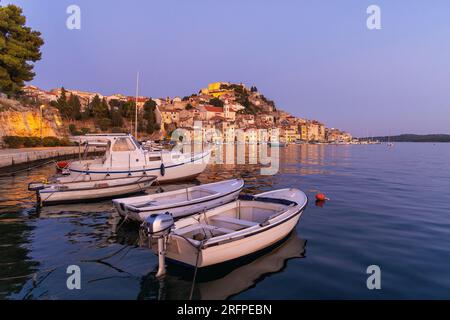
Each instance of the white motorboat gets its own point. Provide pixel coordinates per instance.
(67, 191)
(228, 232)
(125, 157)
(180, 202)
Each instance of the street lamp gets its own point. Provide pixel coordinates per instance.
(41, 107)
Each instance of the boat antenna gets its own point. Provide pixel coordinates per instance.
(136, 107)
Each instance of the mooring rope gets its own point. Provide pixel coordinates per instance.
(195, 270)
(26, 169)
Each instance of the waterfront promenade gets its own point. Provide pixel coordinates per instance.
(11, 158)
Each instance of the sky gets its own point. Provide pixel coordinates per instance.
(316, 59)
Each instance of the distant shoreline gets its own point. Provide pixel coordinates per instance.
(412, 138)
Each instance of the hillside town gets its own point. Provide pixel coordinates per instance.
(221, 106)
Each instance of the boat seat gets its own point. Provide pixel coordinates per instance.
(202, 228)
(227, 219)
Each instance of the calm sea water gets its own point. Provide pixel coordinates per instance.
(389, 207)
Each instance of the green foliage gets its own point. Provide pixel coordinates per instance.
(72, 128)
(216, 102)
(19, 48)
(74, 105)
(104, 123)
(61, 103)
(117, 130)
(149, 115)
(269, 102)
(100, 108)
(249, 108)
(189, 106)
(69, 108)
(126, 108)
(116, 118)
(84, 130)
(30, 142)
(13, 141)
(50, 142)
(413, 138)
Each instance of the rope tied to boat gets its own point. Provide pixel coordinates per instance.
(196, 269)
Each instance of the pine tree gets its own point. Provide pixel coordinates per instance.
(116, 118)
(19, 45)
(96, 106)
(149, 115)
(75, 107)
(62, 103)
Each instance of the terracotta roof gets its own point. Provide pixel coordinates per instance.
(213, 109)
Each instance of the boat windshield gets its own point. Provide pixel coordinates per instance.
(123, 144)
(138, 145)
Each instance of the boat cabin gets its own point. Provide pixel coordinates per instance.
(120, 148)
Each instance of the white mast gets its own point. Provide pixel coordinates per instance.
(136, 107)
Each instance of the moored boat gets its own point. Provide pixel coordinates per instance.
(180, 202)
(228, 232)
(88, 190)
(125, 157)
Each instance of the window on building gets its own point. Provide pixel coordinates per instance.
(123, 144)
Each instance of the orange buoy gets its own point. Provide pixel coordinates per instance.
(321, 197)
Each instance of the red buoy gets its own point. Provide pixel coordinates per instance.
(321, 197)
(62, 165)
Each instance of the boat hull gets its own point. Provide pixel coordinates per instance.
(241, 242)
(165, 173)
(179, 209)
(230, 251)
(50, 196)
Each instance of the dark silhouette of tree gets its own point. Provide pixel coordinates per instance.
(19, 48)
(216, 102)
(150, 116)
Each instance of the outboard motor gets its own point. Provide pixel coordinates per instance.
(158, 226)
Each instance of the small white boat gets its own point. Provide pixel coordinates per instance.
(228, 232)
(180, 202)
(89, 190)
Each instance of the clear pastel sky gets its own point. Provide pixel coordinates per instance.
(316, 58)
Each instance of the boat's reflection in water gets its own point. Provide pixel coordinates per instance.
(106, 206)
(226, 280)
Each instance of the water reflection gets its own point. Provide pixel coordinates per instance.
(88, 231)
(15, 263)
(226, 280)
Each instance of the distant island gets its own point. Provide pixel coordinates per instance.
(412, 138)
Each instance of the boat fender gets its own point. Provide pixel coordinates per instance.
(162, 169)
